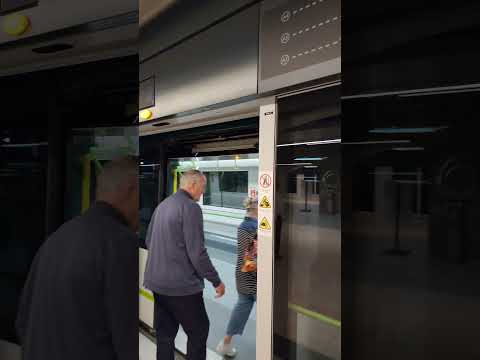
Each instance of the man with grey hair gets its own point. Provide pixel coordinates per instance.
(80, 300)
(177, 265)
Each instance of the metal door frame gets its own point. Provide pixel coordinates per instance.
(265, 284)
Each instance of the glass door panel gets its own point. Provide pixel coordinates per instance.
(410, 238)
(307, 293)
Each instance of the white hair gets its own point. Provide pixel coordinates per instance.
(191, 177)
(116, 175)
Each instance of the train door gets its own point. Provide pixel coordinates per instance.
(294, 170)
(307, 246)
(228, 154)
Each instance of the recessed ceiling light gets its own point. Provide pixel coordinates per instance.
(164, 123)
(53, 48)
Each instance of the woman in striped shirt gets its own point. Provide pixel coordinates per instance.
(246, 281)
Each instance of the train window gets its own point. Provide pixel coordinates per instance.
(226, 189)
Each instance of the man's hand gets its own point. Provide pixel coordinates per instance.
(220, 290)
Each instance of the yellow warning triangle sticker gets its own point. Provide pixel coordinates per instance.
(264, 203)
(264, 224)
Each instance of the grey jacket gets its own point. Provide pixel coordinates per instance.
(177, 259)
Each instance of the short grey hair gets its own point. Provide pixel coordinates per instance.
(117, 172)
(191, 177)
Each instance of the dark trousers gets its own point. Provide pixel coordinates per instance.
(188, 311)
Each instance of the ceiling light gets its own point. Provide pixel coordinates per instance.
(310, 143)
(376, 142)
(310, 166)
(295, 164)
(241, 144)
(15, 24)
(311, 158)
(395, 130)
(413, 148)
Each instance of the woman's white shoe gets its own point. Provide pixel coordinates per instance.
(226, 350)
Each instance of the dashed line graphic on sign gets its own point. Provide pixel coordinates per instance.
(264, 224)
(306, 7)
(316, 26)
(265, 203)
(314, 50)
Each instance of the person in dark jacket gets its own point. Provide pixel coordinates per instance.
(80, 300)
(177, 265)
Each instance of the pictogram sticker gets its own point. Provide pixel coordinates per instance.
(265, 181)
(265, 203)
(264, 224)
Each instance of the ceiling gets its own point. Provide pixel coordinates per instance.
(101, 30)
(150, 9)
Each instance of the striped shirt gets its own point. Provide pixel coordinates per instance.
(246, 282)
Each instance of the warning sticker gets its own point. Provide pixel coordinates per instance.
(265, 203)
(264, 224)
(265, 181)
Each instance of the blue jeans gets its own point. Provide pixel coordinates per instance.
(240, 314)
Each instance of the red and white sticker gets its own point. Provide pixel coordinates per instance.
(265, 181)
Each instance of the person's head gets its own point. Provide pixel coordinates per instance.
(117, 184)
(251, 206)
(193, 182)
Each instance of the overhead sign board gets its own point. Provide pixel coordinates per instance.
(299, 41)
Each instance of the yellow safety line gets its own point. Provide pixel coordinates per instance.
(314, 315)
(145, 294)
(297, 308)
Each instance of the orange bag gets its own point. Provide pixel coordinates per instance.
(250, 260)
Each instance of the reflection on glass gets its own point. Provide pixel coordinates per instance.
(410, 219)
(87, 151)
(307, 303)
(23, 185)
(230, 179)
(148, 197)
